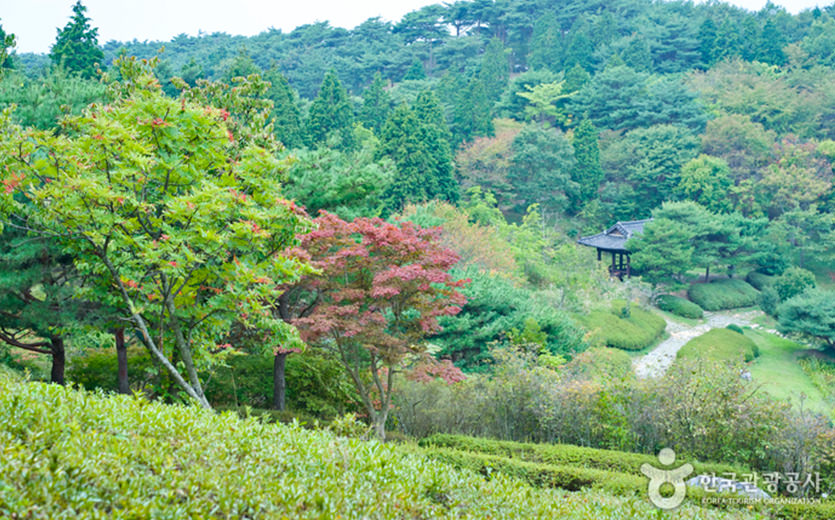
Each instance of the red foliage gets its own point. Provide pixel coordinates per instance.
(443, 369)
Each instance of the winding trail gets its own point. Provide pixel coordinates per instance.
(659, 359)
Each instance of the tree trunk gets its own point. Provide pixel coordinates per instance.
(279, 383)
(380, 424)
(58, 360)
(707, 274)
(122, 359)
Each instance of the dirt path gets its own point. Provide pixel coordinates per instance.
(659, 359)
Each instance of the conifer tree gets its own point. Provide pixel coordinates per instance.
(409, 155)
(331, 114)
(435, 136)
(76, 47)
(376, 105)
(587, 172)
(286, 114)
(415, 71)
(495, 70)
(546, 43)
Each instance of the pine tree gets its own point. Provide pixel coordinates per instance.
(708, 42)
(286, 113)
(412, 159)
(191, 72)
(771, 45)
(587, 172)
(415, 71)
(76, 47)
(471, 112)
(331, 114)
(376, 105)
(495, 70)
(575, 79)
(241, 66)
(546, 44)
(7, 43)
(435, 137)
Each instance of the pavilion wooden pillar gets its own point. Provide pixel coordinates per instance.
(614, 265)
(628, 267)
(598, 255)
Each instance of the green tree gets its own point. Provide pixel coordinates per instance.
(812, 314)
(706, 180)
(415, 71)
(286, 114)
(191, 71)
(77, 48)
(546, 43)
(435, 136)
(541, 169)
(241, 66)
(376, 105)
(495, 70)
(472, 111)
(7, 43)
(662, 253)
(172, 207)
(546, 103)
(331, 114)
(794, 281)
(587, 173)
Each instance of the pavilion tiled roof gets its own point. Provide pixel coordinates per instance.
(614, 239)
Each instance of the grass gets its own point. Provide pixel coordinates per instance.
(720, 345)
(77, 454)
(782, 376)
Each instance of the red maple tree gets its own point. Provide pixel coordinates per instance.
(378, 293)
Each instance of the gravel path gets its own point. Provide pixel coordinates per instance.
(659, 359)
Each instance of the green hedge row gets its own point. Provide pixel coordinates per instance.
(627, 328)
(679, 306)
(729, 293)
(75, 454)
(720, 345)
(563, 454)
(760, 280)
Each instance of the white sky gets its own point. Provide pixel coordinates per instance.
(34, 22)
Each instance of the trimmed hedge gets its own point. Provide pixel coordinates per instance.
(760, 281)
(679, 306)
(634, 329)
(729, 293)
(74, 454)
(720, 345)
(563, 454)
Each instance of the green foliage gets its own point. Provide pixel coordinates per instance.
(811, 314)
(769, 300)
(587, 173)
(229, 465)
(679, 306)
(98, 369)
(541, 169)
(7, 43)
(512, 104)
(730, 293)
(76, 48)
(286, 113)
(634, 332)
(706, 180)
(376, 105)
(494, 70)
(758, 280)
(600, 363)
(349, 184)
(793, 281)
(41, 102)
(316, 385)
(331, 115)
(726, 345)
(736, 328)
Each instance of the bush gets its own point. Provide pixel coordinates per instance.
(729, 293)
(679, 306)
(793, 281)
(99, 368)
(736, 328)
(769, 301)
(600, 363)
(720, 345)
(315, 385)
(616, 328)
(759, 281)
(70, 453)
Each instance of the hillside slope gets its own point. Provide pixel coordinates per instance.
(74, 454)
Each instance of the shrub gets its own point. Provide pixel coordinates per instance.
(736, 328)
(720, 345)
(759, 280)
(70, 453)
(769, 301)
(793, 281)
(635, 331)
(729, 293)
(601, 362)
(679, 306)
(98, 368)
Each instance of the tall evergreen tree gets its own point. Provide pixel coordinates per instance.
(772, 41)
(331, 114)
(471, 112)
(7, 43)
(435, 136)
(286, 113)
(415, 71)
(76, 47)
(412, 159)
(495, 70)
(708, 40)
(587, 172)
(546, 43)
(376, 104)
(240, 66)
(191, 72)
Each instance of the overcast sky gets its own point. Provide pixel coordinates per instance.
(34, 22)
